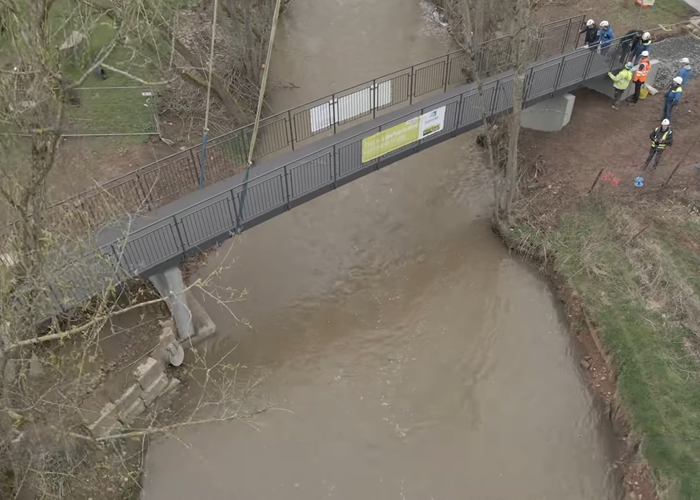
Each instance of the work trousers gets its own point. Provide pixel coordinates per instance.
(618, 94)
(654, 152)
(668, 109)
(637, 89)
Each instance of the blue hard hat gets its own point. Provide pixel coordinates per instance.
(629, 65)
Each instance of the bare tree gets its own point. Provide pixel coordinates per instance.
(474, 18)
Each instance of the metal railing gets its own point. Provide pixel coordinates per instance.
(198, 227)
(212, 220)
(170, 178)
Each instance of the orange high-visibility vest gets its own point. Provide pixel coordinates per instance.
(642, 70)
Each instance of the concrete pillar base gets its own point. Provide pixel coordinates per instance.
(549, 116)
(169, 284)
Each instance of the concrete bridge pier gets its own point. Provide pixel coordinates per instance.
(191, 320)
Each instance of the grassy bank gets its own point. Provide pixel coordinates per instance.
(639, 278)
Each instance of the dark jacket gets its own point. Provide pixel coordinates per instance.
(591, 37)
(657, 137)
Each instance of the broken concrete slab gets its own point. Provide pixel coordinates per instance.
(107, 423)
(133, 411)
(148, 372)
(156, 389)
(127, 399)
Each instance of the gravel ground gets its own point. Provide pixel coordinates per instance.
(669, 52)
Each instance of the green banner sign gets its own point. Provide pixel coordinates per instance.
(403, 134)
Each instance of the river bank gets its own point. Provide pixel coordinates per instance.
(624, 260)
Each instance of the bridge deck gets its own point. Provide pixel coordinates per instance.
(161, 238)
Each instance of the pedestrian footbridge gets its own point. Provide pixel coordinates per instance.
(189, 202)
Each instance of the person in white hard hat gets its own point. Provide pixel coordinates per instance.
(640, 76)
(590, 40)
(672, 97)
(686, 72)
(605, 36)
(660, 138)
(643, 45)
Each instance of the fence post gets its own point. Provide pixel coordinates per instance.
(446, 74)
(334, 160)
(286, 184)
(146, 195)
(333, 117)
(195, 172)
(528, 85)
(289, 127)
(179, 235)
(373, 98)
(411, 85)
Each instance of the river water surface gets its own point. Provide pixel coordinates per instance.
(416, 358)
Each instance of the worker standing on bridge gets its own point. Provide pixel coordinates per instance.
(605, 36)
(621, 82)
(590, 41)
(660, 138)
(629, 45)
(643, 46)
(673, 96)
(640, 76)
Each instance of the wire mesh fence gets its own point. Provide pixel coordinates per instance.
(108, 111)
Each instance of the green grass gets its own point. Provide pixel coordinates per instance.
(656, 356)
(625, 15)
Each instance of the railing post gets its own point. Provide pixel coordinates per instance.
(235, 210)
(587, 67)
(560, 73)
(411, 85)
(289, 127)
(528, 84)
(566, 37)
(334, 160)
(373, 98)
(333, 117)
(179, 235)
(286, 185)
(492, 108)
(446, 73)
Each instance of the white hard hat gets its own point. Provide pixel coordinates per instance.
(665, 122)
(645, 53)
(678, 80)
(685, 60)
(646, 36)
(590, 22)
(604, 24)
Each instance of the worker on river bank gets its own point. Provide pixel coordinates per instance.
(672, 97)
(686, 72)
(620, 82)
(640, 76)
(660, 138)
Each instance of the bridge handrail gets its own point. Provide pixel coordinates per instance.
(133, 190)
(542, 80)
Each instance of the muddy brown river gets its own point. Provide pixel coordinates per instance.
(410, 356)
